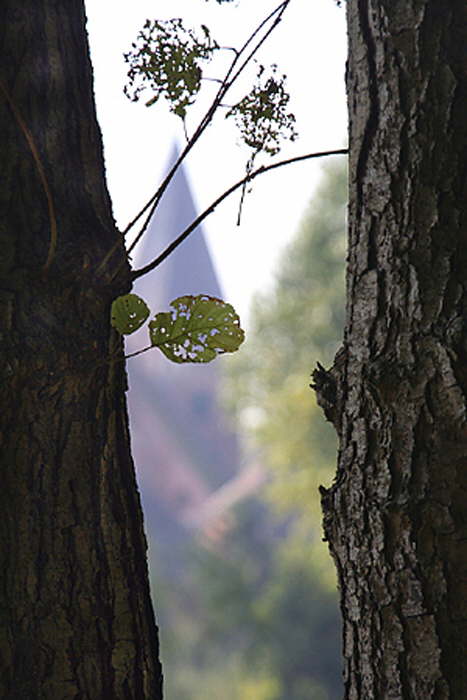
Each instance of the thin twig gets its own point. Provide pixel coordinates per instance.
(226, 84)
(249, 168)
(280, 9)
(229, 79)
(263, 169)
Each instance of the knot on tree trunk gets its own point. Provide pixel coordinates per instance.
(327, 386)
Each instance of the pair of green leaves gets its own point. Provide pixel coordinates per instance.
(197, 329)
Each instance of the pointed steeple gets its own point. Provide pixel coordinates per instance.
(183, 445)
(189, 269)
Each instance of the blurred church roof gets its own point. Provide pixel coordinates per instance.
(182, 441)
(189, 269)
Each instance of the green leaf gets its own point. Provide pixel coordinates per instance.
(197, 329)
(128, 313)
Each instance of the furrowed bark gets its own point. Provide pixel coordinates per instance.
(76, 617)
(396, 516)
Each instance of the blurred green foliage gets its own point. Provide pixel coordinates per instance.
(297, 324)
(257, 617)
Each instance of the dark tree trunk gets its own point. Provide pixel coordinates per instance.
(396, 516)
(76, 619)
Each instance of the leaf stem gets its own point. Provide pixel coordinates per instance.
(139, 352)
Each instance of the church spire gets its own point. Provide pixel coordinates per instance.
(183, 445)
(189, 269)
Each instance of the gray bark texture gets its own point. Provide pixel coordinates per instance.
(396, 515)
(76, 618)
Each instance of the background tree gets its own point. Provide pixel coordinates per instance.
(258, 617)
(396, 514)
(301, 316)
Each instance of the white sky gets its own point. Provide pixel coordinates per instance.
(309, 46)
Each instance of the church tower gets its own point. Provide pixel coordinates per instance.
(183, 446)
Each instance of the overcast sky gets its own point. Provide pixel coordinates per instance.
(309, 46)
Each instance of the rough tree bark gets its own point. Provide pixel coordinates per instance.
(396, 516)
(76, 618)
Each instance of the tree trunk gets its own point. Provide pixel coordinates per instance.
(396, 516)
(76, 618)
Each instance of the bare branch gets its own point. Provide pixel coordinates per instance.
(231, 76)
(229, 79)
(263, 169)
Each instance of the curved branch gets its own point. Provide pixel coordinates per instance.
(226, 84)
(229, 79)
(263, 169)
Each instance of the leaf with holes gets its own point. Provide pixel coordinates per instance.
(128, 313)
(198, 329)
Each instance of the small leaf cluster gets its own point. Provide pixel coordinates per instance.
(197, 329)
(166, 59)
(262, 116)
